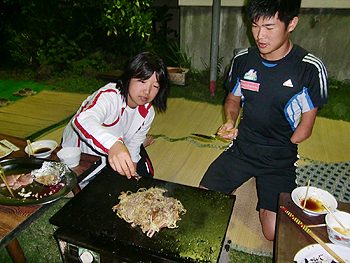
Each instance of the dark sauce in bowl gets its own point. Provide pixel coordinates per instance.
(313, 205)
(42, 150)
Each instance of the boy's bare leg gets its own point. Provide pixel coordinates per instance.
(268, 223)
(148, 141)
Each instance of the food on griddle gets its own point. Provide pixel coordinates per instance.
(17, 181)
(149, 209)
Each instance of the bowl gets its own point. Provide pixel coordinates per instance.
(42, 149)
(336, 233)
(317, 197)
(70, 156)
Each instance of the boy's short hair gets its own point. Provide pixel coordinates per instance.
(286, 9)
(142, 67)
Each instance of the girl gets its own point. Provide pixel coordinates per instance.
(113, 121)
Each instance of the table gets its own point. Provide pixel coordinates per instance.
(14, 219)
(290, 238)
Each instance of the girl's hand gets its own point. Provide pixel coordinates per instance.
(120, 160)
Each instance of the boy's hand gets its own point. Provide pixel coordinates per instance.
(120, 160)
(227, 131)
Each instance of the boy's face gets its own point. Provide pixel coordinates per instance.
(142, 91)
(272, 37)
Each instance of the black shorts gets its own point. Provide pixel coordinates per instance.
(273, 167)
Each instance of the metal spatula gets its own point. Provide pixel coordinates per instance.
(213, 136)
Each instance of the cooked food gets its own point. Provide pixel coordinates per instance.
(50, 173)
(319, 259)
(48, 179)
(342, 231)
(2, 153)
(17, 181)
(149, 209)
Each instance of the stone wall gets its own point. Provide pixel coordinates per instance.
(323, 32)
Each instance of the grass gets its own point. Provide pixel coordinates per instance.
(38, 239)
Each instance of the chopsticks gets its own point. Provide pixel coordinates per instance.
(312, 234)
(340, 223)
(137, 176)
(3, 177)
(318, 225)
(307, 191)
(30, 149)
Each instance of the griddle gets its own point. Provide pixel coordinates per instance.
(198, 238)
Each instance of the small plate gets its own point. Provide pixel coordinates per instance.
(26, 165)
(4, 151)
(316, 253)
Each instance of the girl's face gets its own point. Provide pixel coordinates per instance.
(142, 91)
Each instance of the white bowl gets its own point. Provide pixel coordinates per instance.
(316, 196)
(337, 236)
(42, 149)
(70, 156)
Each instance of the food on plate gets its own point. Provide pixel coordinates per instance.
(48, 179)
(50, 173)
(149, 209)
(2, 153)
(318, 259)
(17, 181)
(44, 192)
(38, 183)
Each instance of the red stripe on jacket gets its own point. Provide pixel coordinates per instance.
(83, 131)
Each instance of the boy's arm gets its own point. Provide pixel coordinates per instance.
(304, 129)
(232, 110)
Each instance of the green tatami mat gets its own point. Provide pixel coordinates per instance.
(32, 115)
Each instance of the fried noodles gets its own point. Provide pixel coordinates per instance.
(149, 209)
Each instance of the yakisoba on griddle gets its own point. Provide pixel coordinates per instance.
(149, 209)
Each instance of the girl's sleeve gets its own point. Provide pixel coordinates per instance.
(89, 123)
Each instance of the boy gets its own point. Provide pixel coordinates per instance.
(277, 82)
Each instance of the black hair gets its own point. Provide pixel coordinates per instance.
(142, 67)
(286, 9)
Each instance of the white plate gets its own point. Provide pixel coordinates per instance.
(5, 151)
(316, 251)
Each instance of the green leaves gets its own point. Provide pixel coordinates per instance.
(129, 18)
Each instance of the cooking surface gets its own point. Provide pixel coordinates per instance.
(200, 231)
